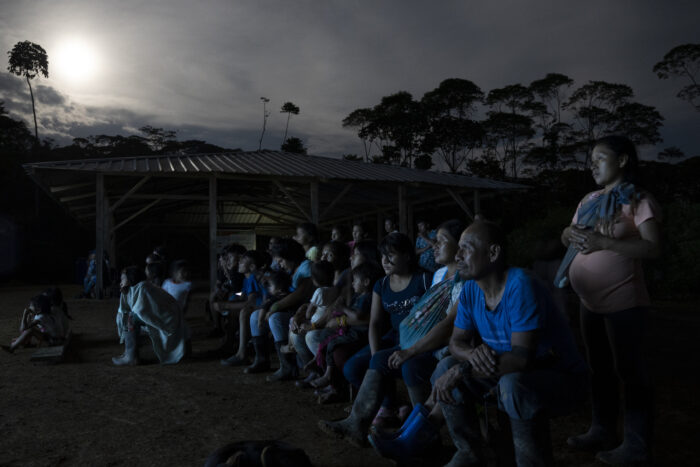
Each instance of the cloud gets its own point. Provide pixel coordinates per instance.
(201, 68)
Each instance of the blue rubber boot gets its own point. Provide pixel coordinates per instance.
(418, 436)
(383, 435)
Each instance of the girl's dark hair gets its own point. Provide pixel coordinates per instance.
(399, 243)
(133, 274)
(368, 249)
(622, 145)
(42, 303)
(260, 259)
(154, 258)
(280, 279)
(160, 251)
(55, 295)
(361, 225)
(368, 270)
(341, 254)
(323, 273)
(311, 230)
(183, 266)
(454, 227)
(155, 271)
(234, 249)
(288, 250)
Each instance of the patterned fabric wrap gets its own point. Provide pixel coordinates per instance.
(428, 311)
(601, 208)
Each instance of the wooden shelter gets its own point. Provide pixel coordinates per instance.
(267, 192)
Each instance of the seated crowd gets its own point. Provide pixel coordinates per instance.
(445, 314)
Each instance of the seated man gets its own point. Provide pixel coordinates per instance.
(145, 305)
(528, 361)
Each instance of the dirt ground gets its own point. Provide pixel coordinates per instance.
(87, 412)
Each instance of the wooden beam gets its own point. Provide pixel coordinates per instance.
(403, 210)
(68, 199)
(335, 201)
(56, 189)
(313, 198)
(291, 198)
(458, 199)
(212, 233)
(136, 214)
(133, 190)
(477, 203)
(99, 232)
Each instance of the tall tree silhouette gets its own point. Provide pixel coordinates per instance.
(266, 114)
(289, 109)
(684, 61)
(29, 59)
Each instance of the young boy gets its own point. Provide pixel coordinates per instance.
(252, 265)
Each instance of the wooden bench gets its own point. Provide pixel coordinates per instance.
(54, 353)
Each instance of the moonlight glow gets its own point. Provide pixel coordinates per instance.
(74, 60)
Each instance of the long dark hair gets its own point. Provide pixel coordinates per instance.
(401, 244)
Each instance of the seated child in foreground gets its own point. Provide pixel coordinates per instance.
(348, 325)
(41, 323)
(313, 315)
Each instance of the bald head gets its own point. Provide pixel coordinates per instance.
(488, 233)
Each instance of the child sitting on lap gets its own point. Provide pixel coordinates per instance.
(314, 315)
(348, 325)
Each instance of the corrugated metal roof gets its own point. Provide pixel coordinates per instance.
(269, 164)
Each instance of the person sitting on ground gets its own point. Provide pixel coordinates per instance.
(393, 297)
(180, 284)
(307, 236)
(349, 325)
(40, 324)
(311, 317)
(527, 360)
(425, 242)
(253, 264)
(291, 257)
(425, 329)
(145, 305)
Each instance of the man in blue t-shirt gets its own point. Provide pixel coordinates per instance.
(525, 357)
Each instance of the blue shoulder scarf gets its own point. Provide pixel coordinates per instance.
(603, 207)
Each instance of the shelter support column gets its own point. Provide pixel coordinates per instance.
(477, 203)
(212, 234)
(403, 210)
(99, 233)
(314, 203)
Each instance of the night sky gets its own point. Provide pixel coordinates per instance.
(201, 67)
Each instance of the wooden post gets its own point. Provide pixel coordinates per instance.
(314, 203)
(380, 226)
(411, 223)
(212, 233)
(99, 232)
(403, 210)
(477, 203)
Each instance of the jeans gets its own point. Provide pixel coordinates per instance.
(355, 368)
(415, 371)
(521, 395)
(278, 324)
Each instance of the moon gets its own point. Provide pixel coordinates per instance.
(75, 60)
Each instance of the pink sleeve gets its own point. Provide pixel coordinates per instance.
(647, 208)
